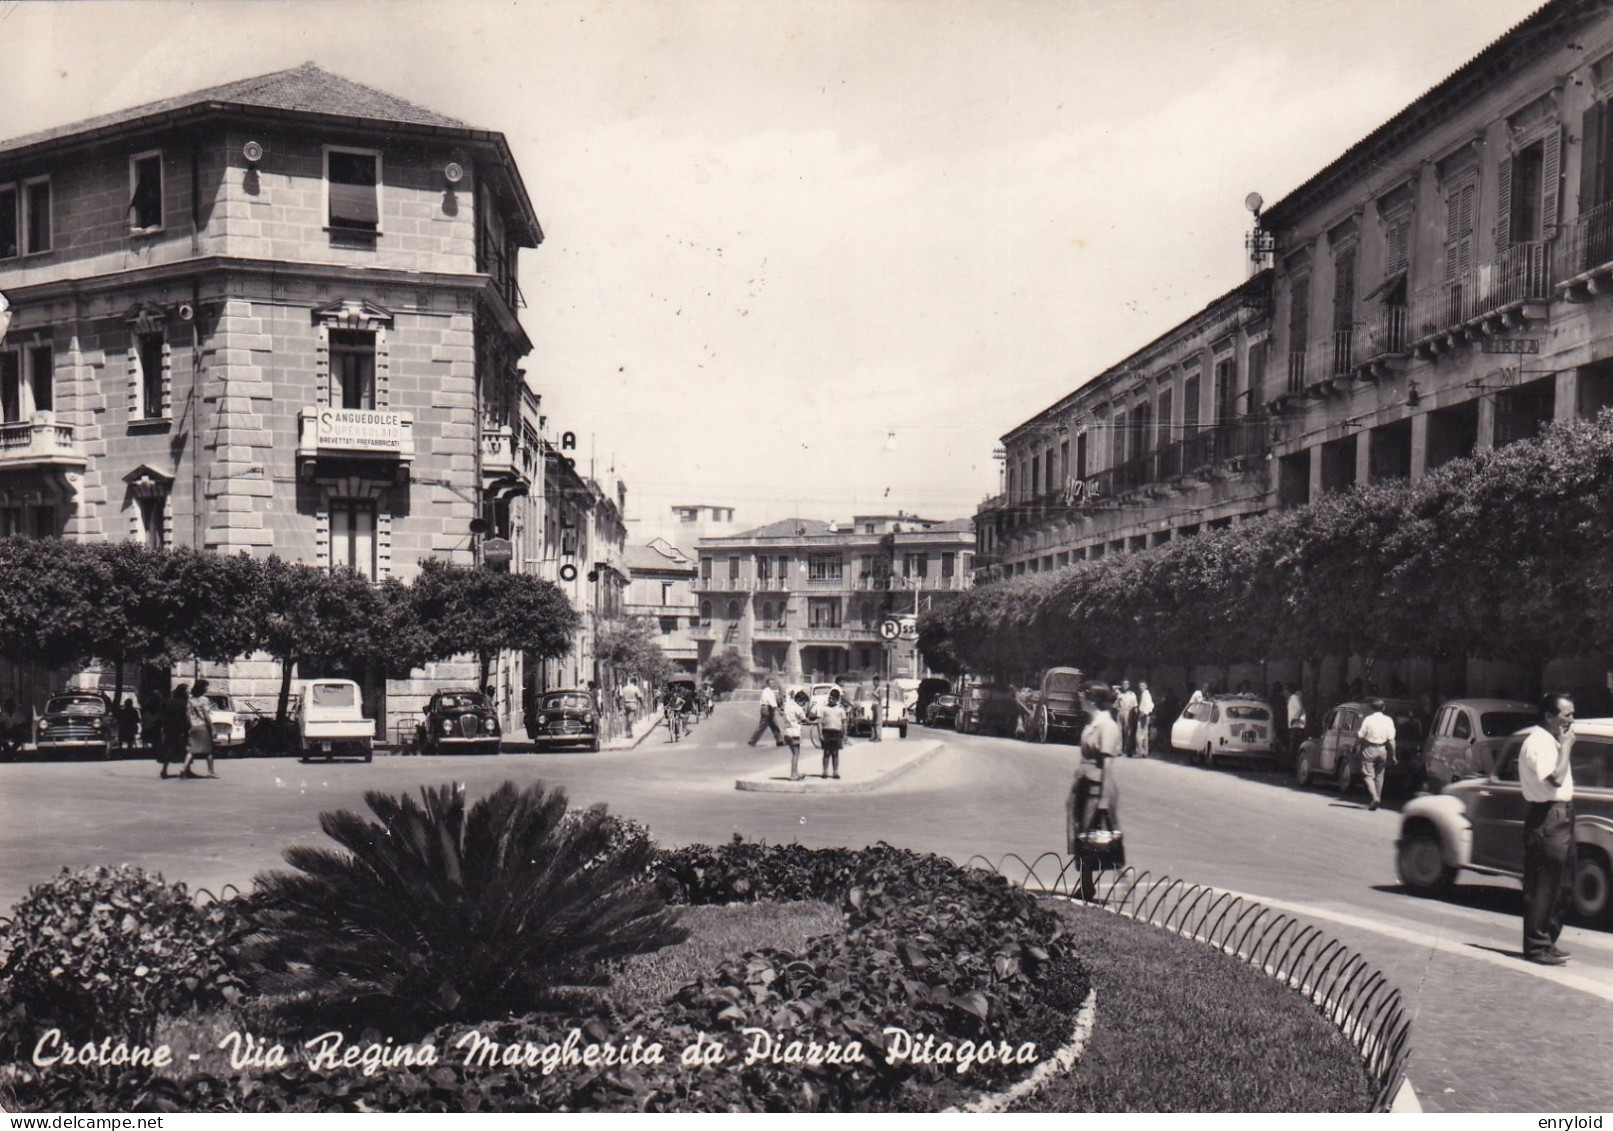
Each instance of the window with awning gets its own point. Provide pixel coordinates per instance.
(353, 181)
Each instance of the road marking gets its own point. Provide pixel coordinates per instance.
(1602, 988)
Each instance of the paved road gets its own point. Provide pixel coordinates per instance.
(1480, 1013)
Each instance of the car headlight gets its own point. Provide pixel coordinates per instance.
(97, 724)
(43, 726)
(448, 726)
(543, 720)
(490, 725)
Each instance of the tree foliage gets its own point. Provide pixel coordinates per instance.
(480, 613)
(1500, 555)
(725, 671)
(632, 646)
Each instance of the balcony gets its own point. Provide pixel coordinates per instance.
(1585, 254)
(40, 443)
(741, 585)
(498, 451)
(1487, 299)
(371, 435)
(703, 632)
(1385, 333)
(837, 634)
(772, 633)
(1213, 452)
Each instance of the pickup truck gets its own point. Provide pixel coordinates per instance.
(331, 722)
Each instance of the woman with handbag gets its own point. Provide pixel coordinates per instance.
(1092, 812)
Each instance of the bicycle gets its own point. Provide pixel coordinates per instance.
(674, 724)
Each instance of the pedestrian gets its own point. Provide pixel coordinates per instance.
(1126, 716)
(175, 727)
(13, 729)
(1145, 719)
(769, 714)
(1092, 810)
(151, 723)
(1376, 748)
(632, 702)
(832, 721)
(128, 723)
(1547, 779)
(1297, 724)
(199, 735)
(877, 734)
(797, 710)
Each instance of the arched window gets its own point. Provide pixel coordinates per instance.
(767, 612)
(733, 610)
(705, 612)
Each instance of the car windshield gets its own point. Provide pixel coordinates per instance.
(1494, 724)
(76, 705)
(565, 703)
(463, 701)
(1248, 713)
(220, 702)
(1409, 726)
(946, 700)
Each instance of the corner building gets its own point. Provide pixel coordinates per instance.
(278, 315)
(1444, 286)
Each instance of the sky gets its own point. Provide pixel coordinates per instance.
(812, 258)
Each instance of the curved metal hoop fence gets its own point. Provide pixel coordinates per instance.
(1356, 998)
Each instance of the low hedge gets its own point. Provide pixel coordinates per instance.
(928, 947)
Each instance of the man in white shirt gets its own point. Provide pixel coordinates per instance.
(1376, 747)
(1297, 723)
(769, 718)
(1548, 830)
(1126, 715)
(1145, 718)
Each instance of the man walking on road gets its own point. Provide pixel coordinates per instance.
(1376, 747)
(769, 718)
(1548, 831)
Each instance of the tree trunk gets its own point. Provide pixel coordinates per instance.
(286, 664)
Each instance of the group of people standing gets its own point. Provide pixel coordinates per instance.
(787, 715)
(184, 723)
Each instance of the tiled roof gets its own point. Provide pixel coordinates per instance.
(305, 89)
(653, 558)
(787, 528)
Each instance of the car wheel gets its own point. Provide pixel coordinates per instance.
(1420, 863)
(1302, 768)
(1043, 730)
(1591, 887)
(1342, 774)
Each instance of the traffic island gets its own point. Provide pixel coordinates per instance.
(864, 766)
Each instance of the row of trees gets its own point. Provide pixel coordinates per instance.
(1505, 555)
(66, 604)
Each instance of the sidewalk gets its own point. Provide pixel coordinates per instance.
(864, 766)
(641, 730)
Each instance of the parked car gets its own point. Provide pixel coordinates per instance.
(1331, 754)
(942, 711)
(229, 725)
(1056, 714)
(565, 717)
(1225, 727)
(331, 722)
(1476, 824)
(860, 720)
(76, 722)
(458, 721)
(1467, 734)
(929, 689)
(988, 708)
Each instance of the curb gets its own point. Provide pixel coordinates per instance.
(818, 785)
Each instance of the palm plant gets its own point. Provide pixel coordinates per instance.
(433, 914)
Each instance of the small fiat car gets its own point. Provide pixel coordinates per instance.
(1226, 727)
(1476, 824)
(76, 722)
(1467, 734)
(1331, 756)
(458, 721)
(565, 717)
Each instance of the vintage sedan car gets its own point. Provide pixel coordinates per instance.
(988, 708)
(1467, 734)
(229, 725)
(1331, 755)
(942, 711)
(1224, 728)
(76, 722)
(458, 721)
(1476, 824)
(565, 717)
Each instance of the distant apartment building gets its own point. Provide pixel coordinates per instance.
(278, 315)
(806, 598)
(661, 580)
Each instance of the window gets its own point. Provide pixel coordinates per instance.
(145, 192)
(1459, 204)
(36, 216)
(949, 563)
(1299, 330)
(705, 612)
(1119, 440)
(784, 571)
(41, 380)
(915, 565)
(1397, 243)
(1257, 377)
(352, 367)
(1164, 418)
(1036, 474)
(150, 349)
(867, 614)
(352, 536)
(824, 567)
(823, 612)
(353, 187)
(1190, 405)
(1142, 429)
(1463, 727)
(10, 387)
(1528, 183)
(764, 567)
(733, 611)
(733, 567)
(151, 521)
(767, 612)
(705, 568)
(10, 217)
(1343, 309)
(1081, 456)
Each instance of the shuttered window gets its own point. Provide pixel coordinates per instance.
(1595, 174)
(10, 216)
(145, 192)
(1190, 406)
(1459, 230)
(353, 181)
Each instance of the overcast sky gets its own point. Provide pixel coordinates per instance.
(813, 257)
